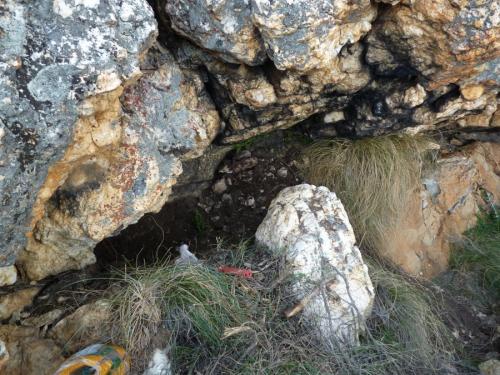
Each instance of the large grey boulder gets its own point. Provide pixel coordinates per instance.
(222, 26)
(300, 35)
(305, 35)
(55, 54)
(331, 280)
(87, 146)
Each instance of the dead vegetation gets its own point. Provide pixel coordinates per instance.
(373, 178)
(228, 325)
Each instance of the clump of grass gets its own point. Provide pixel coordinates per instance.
(194, 302)
(226, 325)
(405, 334)
(407, 322)
(480, 251)
(373, 178)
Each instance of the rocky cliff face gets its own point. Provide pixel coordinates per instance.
(445, 206)
(96, 118)
(89, 141)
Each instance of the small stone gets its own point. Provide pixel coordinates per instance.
(283, 172)
(245, 164)
(225, 169)
(44, 319)
(159, 363)
(414, 96)
(85, 326)
(220, 186)
(334, 116)
(456, 142)
(227, 198)
(62, 299)
(250, 202)
(472, 92)
(8, 275)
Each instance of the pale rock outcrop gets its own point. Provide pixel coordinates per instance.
(222, 26)
(311, 226)
(298, 35)
(446, 41)
(444, 208)
(306, 35)
(88, 146)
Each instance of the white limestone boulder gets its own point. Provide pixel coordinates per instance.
(310, 224)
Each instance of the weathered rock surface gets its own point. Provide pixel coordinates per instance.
(310, 224)
(254, 100)
(87, 325)
(14, 303)
(55, 57)
(223, 26)
(436, 64)
(445, 41)
(88, 147)
(305, 35)
(444, 208)
(29, 354)
(164, 120)
(300, 35)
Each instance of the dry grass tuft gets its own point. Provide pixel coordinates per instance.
(194, 303)
(405, 334)
(408, 317)
(373, 178)
(227, 325)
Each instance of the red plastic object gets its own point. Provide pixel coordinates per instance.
(242, 272)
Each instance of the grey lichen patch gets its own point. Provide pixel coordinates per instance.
(300, 35)
(53, 83)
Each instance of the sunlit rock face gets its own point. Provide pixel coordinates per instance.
(88, 146)
(445, 41)
(385, 65)
(61, 61)
(445, 206)
(297, 35)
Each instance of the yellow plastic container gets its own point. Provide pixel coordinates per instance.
(97, 359)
